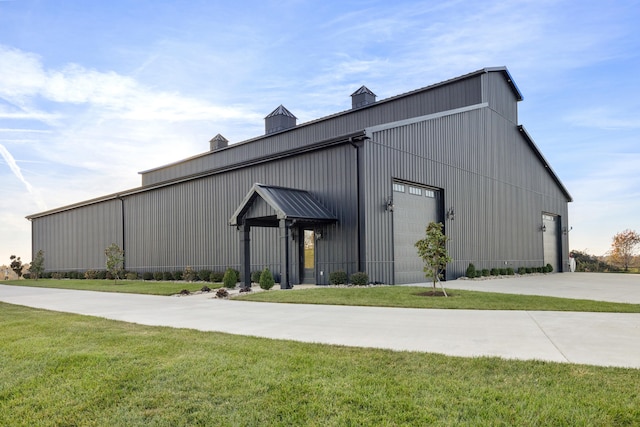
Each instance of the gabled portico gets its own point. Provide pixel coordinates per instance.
(282, 207)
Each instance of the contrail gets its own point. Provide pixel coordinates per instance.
(18, 173)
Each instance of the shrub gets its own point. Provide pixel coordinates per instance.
(266, 280)
(494, 272)
(359, 278)
(510, 271)
(188, 275)
(230, 278)
(237, 274)
(255, 276)
(204, 275)
(222, 293)
(471, 271)
(147, 275)
(338, 277)
(522, 270)
(549, 268)
(132, 275)
(216, 276)
(177, 275)
(56, 275)
(157, 275)
(90, 274)
(26, 276)
(503, 271)
(528, 270)
(102, 274)
(167, 275)
(485, 272)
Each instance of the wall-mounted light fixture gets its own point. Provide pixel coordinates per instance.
(293, 234)
(543, 228)
(451, 214)
(318, 234)
(566, 231)
(389, 205)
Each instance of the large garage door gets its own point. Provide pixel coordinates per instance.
(551, 241)
(413, 208)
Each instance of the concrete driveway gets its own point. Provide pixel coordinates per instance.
(592, 286)
(605, 339)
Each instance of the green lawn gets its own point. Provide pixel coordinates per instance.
(125, 286)
(63, 369)
(408, 296)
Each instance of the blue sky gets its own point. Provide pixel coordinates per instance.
(92, 92)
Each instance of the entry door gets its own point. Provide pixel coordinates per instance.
(308, 257)
(551, 241)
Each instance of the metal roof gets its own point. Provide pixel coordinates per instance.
(281, 111)
(286, 203)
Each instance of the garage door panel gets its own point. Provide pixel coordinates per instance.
(412, 213)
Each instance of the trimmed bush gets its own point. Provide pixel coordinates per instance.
(549, 268)
(230, 278)
(359, 279)
(188, 275)
(255, 276)
(237, 274)
(90, 274)
(503, 271)
(147, 275)
(338, 277)
(177, 275)
(102, 274)
(494, 272)
(485, 272)
(216, 276)
(528, 270)
(522, 270)
(157, 275)
(471, 271)
(266, 280)
(510, 271)
(204, 275)
(132, 275)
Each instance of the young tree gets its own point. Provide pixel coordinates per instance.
(623, 247)
(115, 261)
(433, 251)
(16, 265)
(37, 265)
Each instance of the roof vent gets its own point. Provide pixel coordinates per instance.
(279, 119)
(362, 97)
(218, 142)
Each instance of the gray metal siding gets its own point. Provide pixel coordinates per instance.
(489, 176)
(187, 223)
(442, 98)
(76, 239)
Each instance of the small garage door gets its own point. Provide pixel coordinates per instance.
(413, 208)
(551, 241)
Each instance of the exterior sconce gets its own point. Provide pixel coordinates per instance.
(293, 235)
(566, 231)
(389, 205)
(451, 214)
(543, 228)
(318, 234)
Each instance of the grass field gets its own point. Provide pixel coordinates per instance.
(409, 297)
(382, 296)
(125, 286)
(63, 369)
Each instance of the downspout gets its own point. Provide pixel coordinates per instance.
(357, 144)
(124, 261)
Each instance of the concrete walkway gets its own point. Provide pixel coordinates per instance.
(605, 339)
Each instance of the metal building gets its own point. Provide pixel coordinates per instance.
(352, 191)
